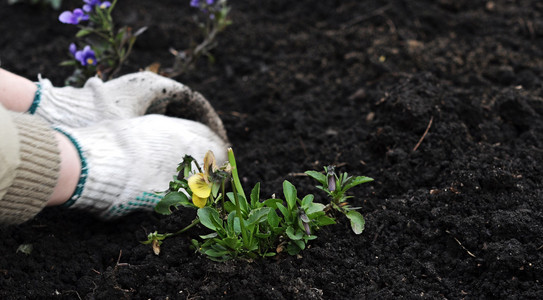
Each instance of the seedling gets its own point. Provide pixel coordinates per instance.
(336, 188)
(247, 227)
(212, 20)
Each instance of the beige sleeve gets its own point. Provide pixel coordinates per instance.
(29, 165)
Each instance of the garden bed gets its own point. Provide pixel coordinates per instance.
(438, 101)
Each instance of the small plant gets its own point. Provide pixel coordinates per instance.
(247, 227)
(105, 50)
(336, 187)
(214, 19)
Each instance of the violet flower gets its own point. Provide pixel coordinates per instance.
(197, 3)
(86, 56)
(91, 4)
(74, 17)
(73, 49)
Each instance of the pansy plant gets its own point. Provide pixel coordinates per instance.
(103, 49)
(212, 20)
(336, 187)
(250, 227)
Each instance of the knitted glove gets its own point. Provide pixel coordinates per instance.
(125, 162)
(126, 97)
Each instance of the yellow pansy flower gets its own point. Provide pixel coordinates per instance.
(200, 183)
(200, 202)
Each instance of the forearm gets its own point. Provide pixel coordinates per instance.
(16, 92)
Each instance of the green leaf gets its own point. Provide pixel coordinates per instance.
(68, 63)
(310, 237)
(315, 215)
(357, 221)
(83, 32)
(273, 218)
(317, 176)
(257, 215)
(272, 203)
(292, 235)
(284, 211)
(292, 249)
(210, 218)
(306, 202)
(356, 181)
(233, 223)
(314, 207)
(171, 199)
(231, 242)
(229, 206)
(215, 253)
(215, 189)
(208, 236)
(325, 220)
(255, 196)
(242, 201)
(261, 235)
(300, 244)
(290, 194)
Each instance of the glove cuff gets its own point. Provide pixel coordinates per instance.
(36, 175)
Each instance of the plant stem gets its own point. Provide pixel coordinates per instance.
(235, 176)
(194, 222)
(223, 195)
(237, 188)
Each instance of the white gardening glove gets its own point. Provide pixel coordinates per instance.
(125, 97)
(125, 162)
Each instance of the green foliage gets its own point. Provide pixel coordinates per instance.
(242, 227)
(212, 20)
(336, 188)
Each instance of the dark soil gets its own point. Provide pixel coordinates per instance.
(303, 84)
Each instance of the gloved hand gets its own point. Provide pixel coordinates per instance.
(124, 162)
(125, 97)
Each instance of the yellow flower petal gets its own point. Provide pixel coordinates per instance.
(199, 186)
(200, 202)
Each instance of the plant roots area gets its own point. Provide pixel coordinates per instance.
(439, 101)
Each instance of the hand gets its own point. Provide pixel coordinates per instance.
(125, 162)
(125, 97)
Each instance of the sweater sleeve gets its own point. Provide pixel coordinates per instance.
(30, 162)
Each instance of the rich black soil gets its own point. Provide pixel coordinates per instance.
(303, 84)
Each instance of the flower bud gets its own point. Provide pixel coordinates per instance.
(331, 181)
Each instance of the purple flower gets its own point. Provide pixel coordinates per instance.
(86, 56)
(195, 3)
(105, 4)
(73, 49)
(74, 17)
(91, 4)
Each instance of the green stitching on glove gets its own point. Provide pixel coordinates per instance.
(145, 200)
(36, 102)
